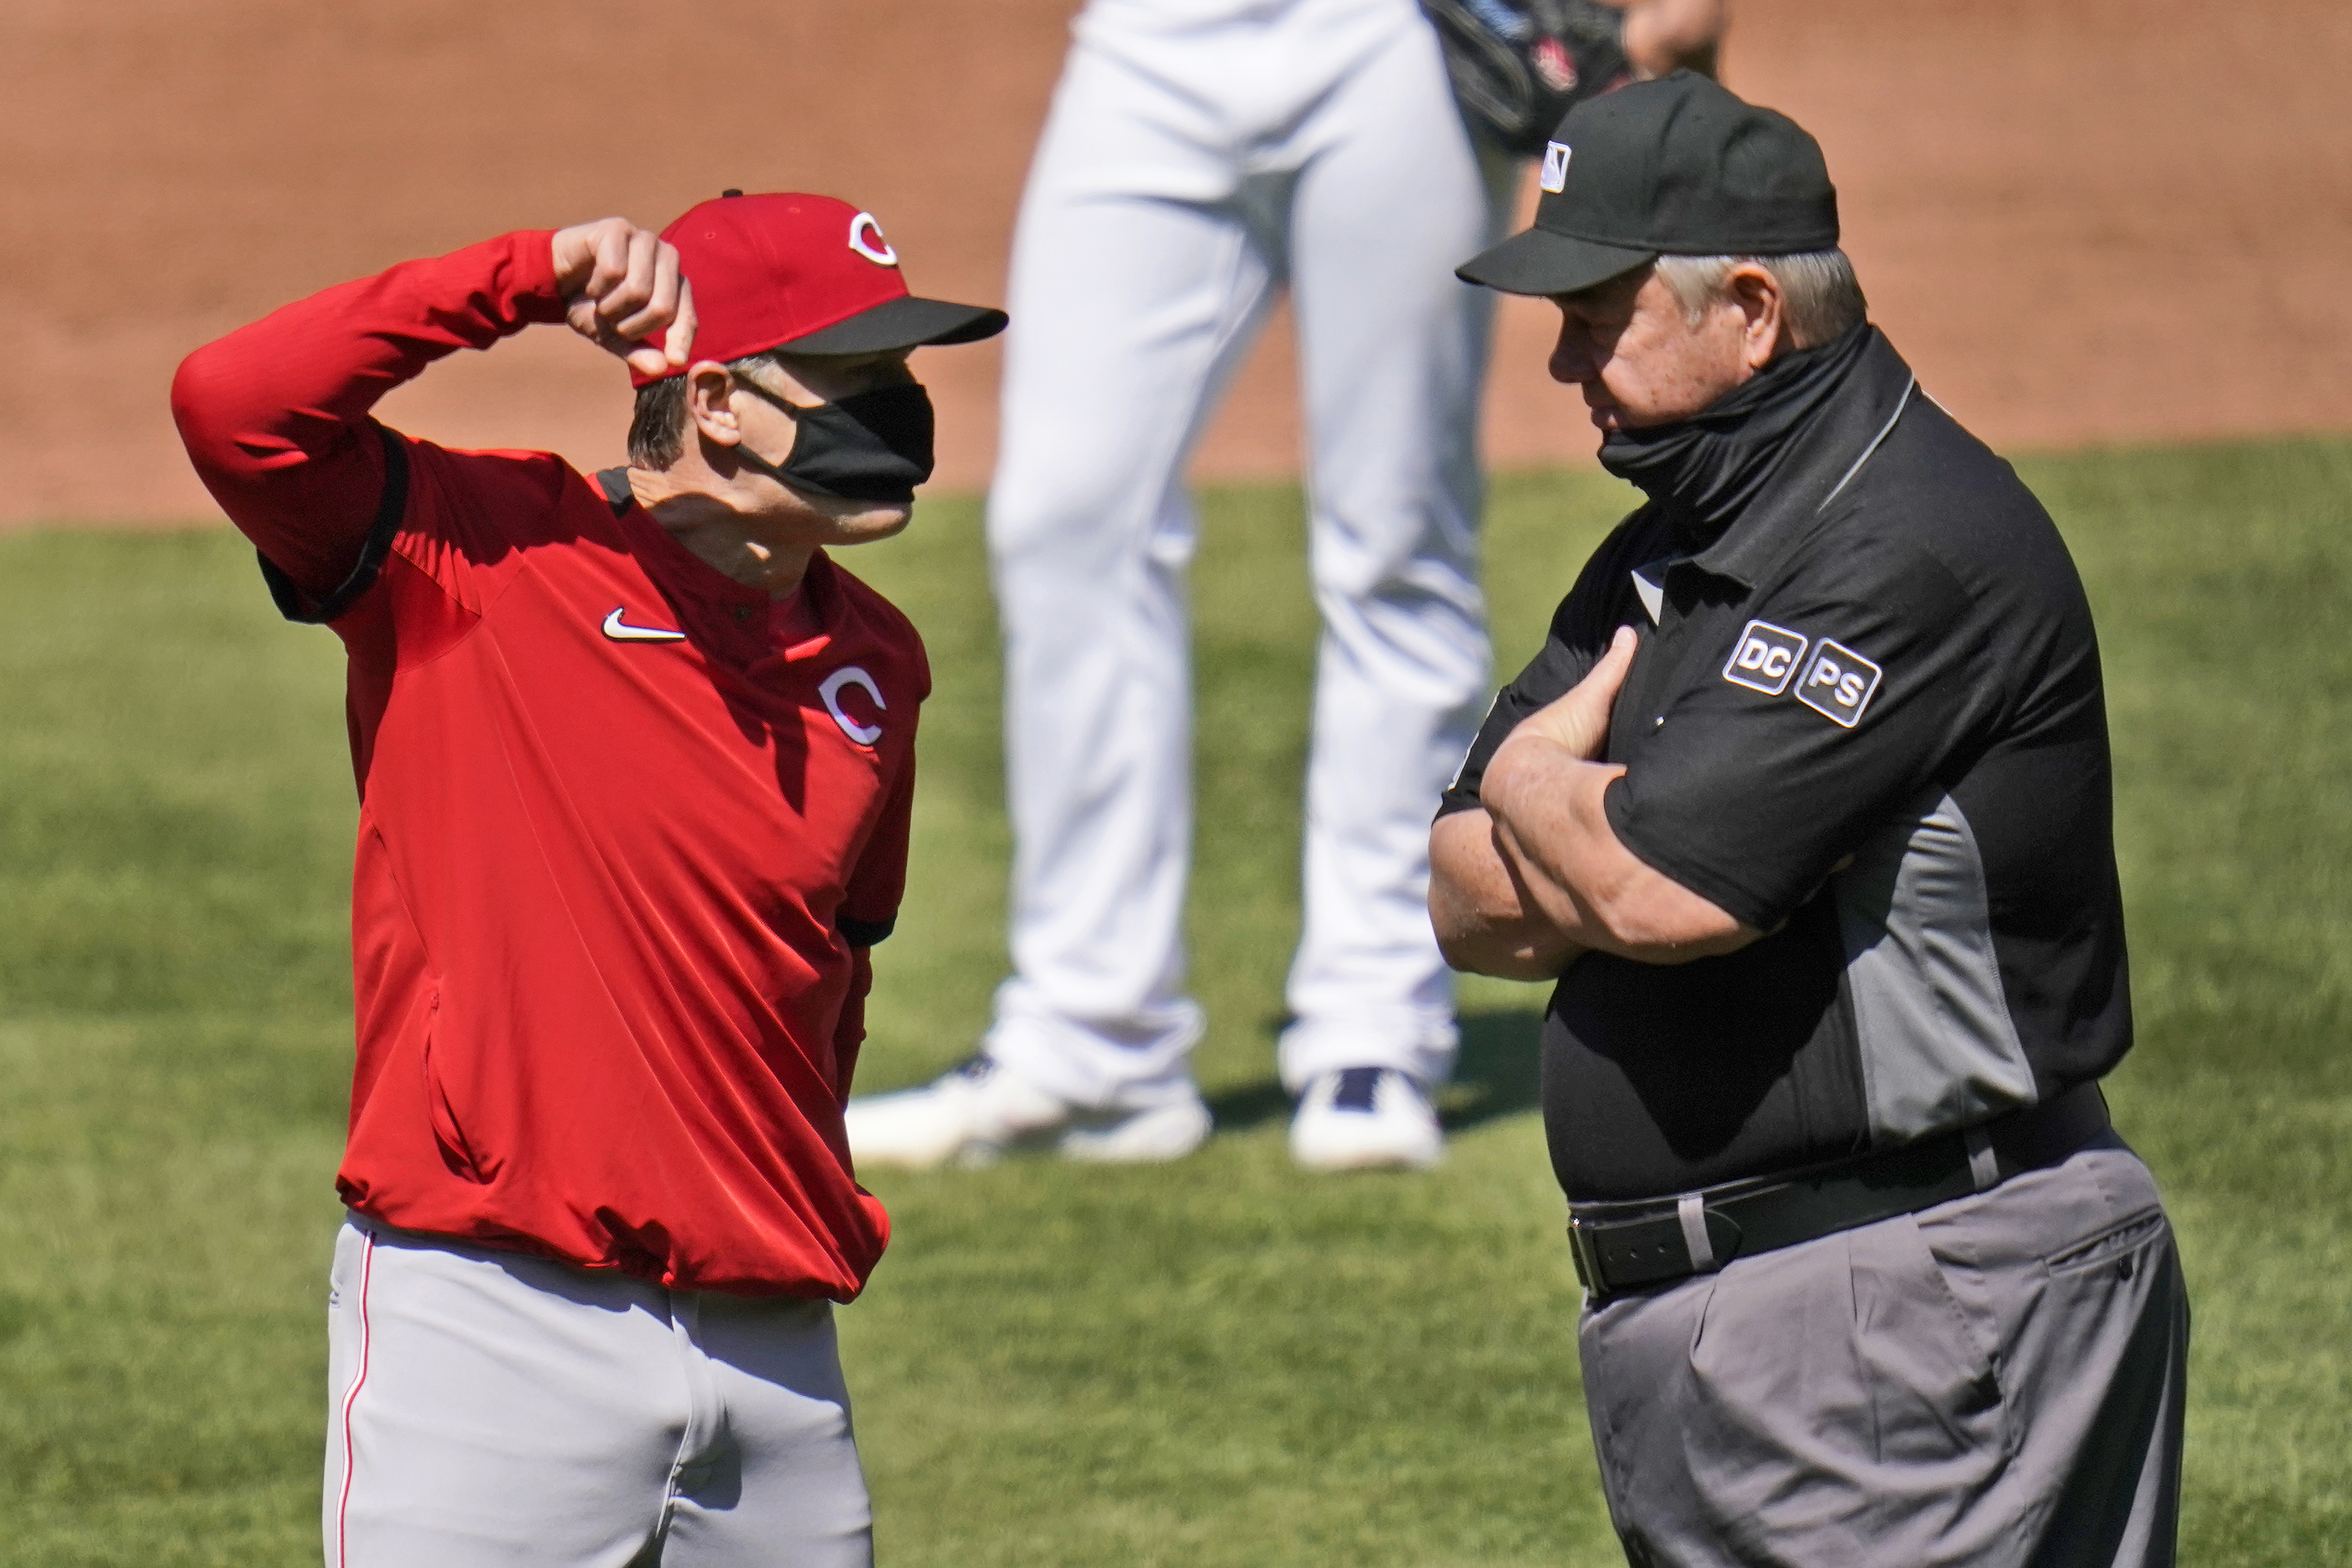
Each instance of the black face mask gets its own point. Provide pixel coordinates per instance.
(870, 446)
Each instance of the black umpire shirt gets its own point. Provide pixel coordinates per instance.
(1865, 717)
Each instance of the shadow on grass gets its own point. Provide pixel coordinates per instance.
(1248, 1105)
(1495, 1075)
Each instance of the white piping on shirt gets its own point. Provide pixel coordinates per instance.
(1900, 405)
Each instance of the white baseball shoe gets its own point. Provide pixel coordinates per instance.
(972, 1114)
(1365, 1119)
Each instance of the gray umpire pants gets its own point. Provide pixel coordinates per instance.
(487, 1408)
(1994, 1381)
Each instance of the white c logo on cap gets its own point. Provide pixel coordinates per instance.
(850, 675)
(877, 250)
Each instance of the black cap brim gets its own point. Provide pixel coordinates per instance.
(1542, 262)
(905, 322)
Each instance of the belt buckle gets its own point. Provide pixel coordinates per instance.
(1586, 1258)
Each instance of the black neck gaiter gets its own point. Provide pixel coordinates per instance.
(1703, 470)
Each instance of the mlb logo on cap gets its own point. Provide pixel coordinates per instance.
(808, 273)
(1555, 169)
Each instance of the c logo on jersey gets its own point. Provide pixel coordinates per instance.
(850, 675)
(876, 250)
(1555, 169)
(1838, 684)
(1764, 658)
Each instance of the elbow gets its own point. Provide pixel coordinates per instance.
(1501, 957)
(232, 406)
(1459, 948)
(1450, 922)
(1504, 944)
(1665, 924)
(232, 422)
(1513, 948)
(203, 405)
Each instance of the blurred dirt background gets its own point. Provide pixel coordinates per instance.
(2085, 221)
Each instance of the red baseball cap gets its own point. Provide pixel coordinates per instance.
(807, 273)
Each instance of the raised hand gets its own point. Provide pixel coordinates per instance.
(621, 283)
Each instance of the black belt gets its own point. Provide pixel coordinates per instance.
(1620, 1246)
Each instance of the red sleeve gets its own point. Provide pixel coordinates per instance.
(275, 415)
(849, 1035)
(868, 913)
(870, 907)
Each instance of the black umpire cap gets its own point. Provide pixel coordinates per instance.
(1678, 167)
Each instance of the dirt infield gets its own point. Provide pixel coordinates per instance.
(2084, 220)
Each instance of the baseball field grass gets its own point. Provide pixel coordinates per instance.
(1219, 1363)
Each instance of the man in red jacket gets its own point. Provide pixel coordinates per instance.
(634, 761)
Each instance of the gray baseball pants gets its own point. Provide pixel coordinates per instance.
(1996, 1380)
(490, 1408)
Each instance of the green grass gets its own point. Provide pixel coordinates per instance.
(1219, 1363)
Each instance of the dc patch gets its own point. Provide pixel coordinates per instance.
(1555, 169)
(1764, 658)
(1838, 684)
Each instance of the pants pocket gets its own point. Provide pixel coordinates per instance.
(341, 1266)
(1928, 1360)
(2119, 1245)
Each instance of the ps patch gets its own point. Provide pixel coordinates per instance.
(1838, 684)
(1764, 658)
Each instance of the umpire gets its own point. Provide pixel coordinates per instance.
(1806, 803)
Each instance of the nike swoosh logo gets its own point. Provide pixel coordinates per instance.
(620, 630)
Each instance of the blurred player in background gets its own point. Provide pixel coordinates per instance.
(1200, 155)
(635, 763)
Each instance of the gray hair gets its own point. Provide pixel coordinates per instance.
(1819, 295)
(657, 428)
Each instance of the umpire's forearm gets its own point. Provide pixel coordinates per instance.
(1486, 919)
(1551, 827)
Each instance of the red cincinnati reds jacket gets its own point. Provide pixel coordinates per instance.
(626, 827)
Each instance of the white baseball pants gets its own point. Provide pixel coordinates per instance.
(1197, 156)
(489, 1408)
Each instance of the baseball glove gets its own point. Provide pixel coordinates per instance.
(1519, 64)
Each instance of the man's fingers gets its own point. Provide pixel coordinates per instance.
(1607, 675)
(637, 291)
(1622, 643)
(661, 296)
(621, 284)
(1579, 719)
(681, 337)
(611, 244)
(634, 284)
(573, 251)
